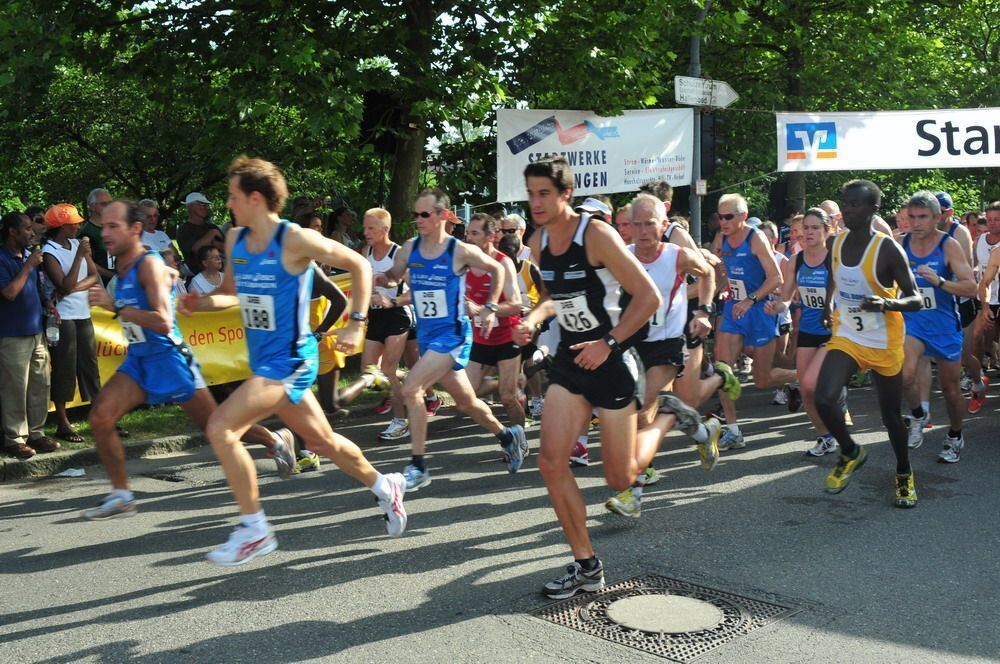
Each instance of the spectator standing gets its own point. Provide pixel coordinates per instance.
(197, 231)
(97, 200)
(209, 275)
(70, 267)
(37, 215)
(340, 227)
(24, 360)
(173, 260)
(152, 237)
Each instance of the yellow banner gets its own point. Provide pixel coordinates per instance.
(216, 337)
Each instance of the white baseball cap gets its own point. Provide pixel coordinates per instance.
(196, 197)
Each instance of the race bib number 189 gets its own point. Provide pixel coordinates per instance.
(257, 312)
(813, 297)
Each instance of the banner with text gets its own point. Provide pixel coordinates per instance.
(963, 138)
(216, 337)
(608, 155)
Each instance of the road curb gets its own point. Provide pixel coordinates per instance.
(47, 465)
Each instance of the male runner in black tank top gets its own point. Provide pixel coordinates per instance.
(584, 267)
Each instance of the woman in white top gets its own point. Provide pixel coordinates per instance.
(71, 269)
(210, 277)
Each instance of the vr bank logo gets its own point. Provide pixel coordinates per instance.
(811, 140)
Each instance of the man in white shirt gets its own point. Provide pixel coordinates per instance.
(152, 237)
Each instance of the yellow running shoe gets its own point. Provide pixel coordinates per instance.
(730, 383)
(625, 503)
(379, 382)
(840, 476)
(906, 490)
(709, 450)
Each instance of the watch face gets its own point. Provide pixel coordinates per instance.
(119, 303)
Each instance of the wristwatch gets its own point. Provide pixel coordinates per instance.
(492, 307)
(752, 297)
(393, 302)
(707, 308)
(611, 342)
(118, 306)
(358, 316)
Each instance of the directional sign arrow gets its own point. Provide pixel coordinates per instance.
(703, 92)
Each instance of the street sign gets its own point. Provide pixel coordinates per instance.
(701, 187)
(703, 92)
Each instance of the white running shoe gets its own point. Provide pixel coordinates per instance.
(780, 398)
(415, 478)
(395, 513)
(952, 451)
(283, 453)
(243, 546)
(398, 428)
(915, 438)
(731, 440)
(111, 506)
(824, 445)
(535, 408)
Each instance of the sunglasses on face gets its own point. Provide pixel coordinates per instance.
(508, 231)
(422, 215)
(729, 217)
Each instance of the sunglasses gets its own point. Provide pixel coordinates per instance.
(508, 231)
(729, 217)
(422, 215)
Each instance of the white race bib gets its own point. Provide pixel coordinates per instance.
(257, 312)
(659, 317)
(864, 321)
(430, 303)
(574, 314)
(133, 334)
(737, 290)
(812, 297)
(928, 298)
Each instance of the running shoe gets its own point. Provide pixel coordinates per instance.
(398, 428)
(416, 479)
(744, 366)
(574, 581)
(535, 408)
(283, 453)
(243, 546)
(395, 513)
(379, 381)
(848, 420)
(432, 404)
(978, 399)
(732, 440)
(709, 450)
(965, 382)
(595, 422)
(517, 450)
(793, 397)
(652, 476)
(906, 490)
(780, 398)
(625, 503)
(383, 406)
(840, 476)
(915, 437)
(861, 379)
(308, 462)
(544, 364)
(580, 456)
(824, 445)
(730, 383)
(688, 418)
(952, 451)
(110, 507)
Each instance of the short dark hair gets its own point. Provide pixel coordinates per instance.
(203, 253)
(263, 177)
(441, 200)
(133, 214)
(661, 190)
(555, 168)
(490, 223)
(10, 222)
(510, 244)
(33, 211)
(874, 193)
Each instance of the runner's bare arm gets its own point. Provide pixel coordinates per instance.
(397, 272)
(788, 287)
(306, 245)
(469, 255)
(989, 274)
(324, 286)
(772, 275)
(964, 283)
(511, 306)
(159, 317)
(892, 260)
(222, 297)
(605, 247)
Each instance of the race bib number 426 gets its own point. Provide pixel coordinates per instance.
(257, 312)
(574, 314)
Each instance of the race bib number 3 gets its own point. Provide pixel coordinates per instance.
(864, 321)
(737, 290)
(574, 314)
(813, 297)
(133, 333)
(257, 312)
(430, 304)
(928, 298)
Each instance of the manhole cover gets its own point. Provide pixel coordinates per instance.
(674, 619)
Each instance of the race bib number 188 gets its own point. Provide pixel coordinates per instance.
(257, 312)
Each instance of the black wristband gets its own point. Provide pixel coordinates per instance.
(611, 342)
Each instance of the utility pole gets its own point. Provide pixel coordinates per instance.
(695, 72)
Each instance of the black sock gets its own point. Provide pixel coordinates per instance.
(954, 434)
(588, 564)
(854, 452)
(918, 412)
(417, 460)
(506, 436)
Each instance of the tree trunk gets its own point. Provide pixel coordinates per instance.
(795, 194)
(406, 167)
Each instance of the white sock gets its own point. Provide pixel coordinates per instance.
(701, 433)
(926, 405)
(382, 489)
(537, 357)
(637, 491)
(735, 428)
(256, 522)
(124, 494)
(368, 379)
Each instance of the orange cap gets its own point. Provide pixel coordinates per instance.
(450, 216)
(62, 214)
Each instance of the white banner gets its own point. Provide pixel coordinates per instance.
(608, 155)
(966, 138)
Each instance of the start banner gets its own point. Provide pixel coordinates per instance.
(608, 155)
(216, 337)
(962, 138)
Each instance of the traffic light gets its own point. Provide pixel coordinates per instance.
(712, 140)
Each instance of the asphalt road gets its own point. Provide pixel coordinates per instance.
(873, 583)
